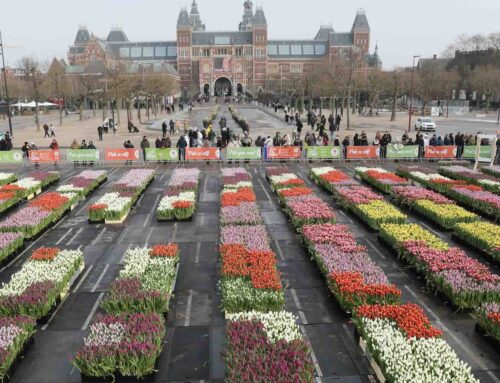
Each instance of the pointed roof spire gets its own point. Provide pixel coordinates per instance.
(194, 8)
(183, 20)
(260, 17)
(361, 21)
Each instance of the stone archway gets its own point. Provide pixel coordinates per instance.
(223, 87)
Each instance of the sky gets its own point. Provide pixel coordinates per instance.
(402, 29)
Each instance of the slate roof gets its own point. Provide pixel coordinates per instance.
(183, 20)
(324, 33)
(260, 17)
(341, 39)
(361, 21)
(82, 37)
(116, 36)
(235, 38)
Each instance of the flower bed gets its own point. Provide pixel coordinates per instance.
(488, 318)
(377, 213)
(465, 281)
(352, 275)
(329, 178)
(493, 171)
(483, 236)
(428, 178)
(44, 279)
(472, 176)
(9, 244)
(125, 345)
(380, 178)
(179, 202)
(406, 348)
(476, 198)
(146, 282)
(8, 200)
(7, 178)
(250, 279)
(445, 215)
(39, 214)
(84, 183)
(15, 333)
(113, 207)
(27, 187)
(266, 347)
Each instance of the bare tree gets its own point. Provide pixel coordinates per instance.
(84, 85)
(57, 84)
(396, 84)
(485, 80)
(35, 79)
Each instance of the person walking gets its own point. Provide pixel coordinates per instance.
(299, 125)
(52, 130)
(99, 132)
(331, 126)
(46, 130)
(338, 120)
(172, 127)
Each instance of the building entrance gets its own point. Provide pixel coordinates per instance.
(223, 87)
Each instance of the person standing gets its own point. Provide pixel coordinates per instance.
(164, 128)
(52, 130)
(299, 125)
(144, 145)
(182, 145)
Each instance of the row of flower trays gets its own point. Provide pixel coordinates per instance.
(252, 293)
(179, 202)
(471, 196)
(25, 188)
(400, 342)
(114, 206)
(31, 295)
(466, 282)
(126, 342)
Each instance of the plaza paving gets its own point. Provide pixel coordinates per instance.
(262, 122)
(195, 324)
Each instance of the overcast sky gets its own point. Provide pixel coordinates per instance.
(401, 28)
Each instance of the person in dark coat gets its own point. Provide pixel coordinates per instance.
(164, 128)
(182, 145)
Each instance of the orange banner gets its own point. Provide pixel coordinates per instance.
(47, 155)
(122, 155)
(440, 151)
(363, 152)
(202, 154)
(283, 152)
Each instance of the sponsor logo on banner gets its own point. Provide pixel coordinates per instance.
(440, 151)
(401, 151)
(244, 153)
(82, 154)
(46, 155)
(167, 154)
(122, 154)
(324, 152)
(202, 154)
(363, 152)
(11, 156)
(485, 153)
(283, 152)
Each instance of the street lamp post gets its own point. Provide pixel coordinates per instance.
(6, 86)
(411, 92)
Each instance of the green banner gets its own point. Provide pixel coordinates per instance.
(400, 151)
(12, 156)
(244, 153)
(168, 154)
(324, 152)
(82, 155)
(485, 152)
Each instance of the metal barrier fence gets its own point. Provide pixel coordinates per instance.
(247, 154)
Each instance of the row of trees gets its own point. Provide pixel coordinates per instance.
(346, 79)
(116, 88)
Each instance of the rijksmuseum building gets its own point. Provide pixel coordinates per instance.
(224, 63)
